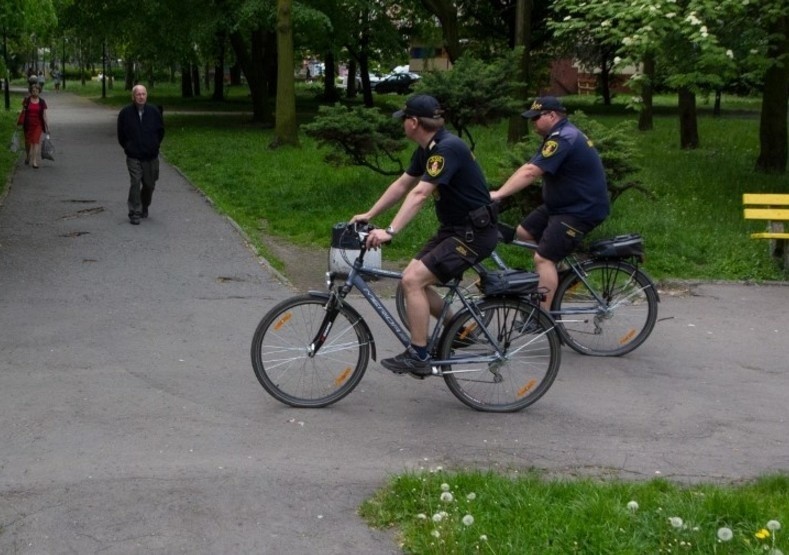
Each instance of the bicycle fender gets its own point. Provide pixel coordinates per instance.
(325, 297)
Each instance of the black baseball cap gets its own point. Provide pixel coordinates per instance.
(421, 106)
(544, 104)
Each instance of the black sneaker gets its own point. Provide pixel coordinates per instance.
(408, 363)
(134, 220)
(145, 212)
(531, 327)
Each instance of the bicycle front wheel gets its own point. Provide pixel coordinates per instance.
(288, 366)
(608, 313)
(530, 355)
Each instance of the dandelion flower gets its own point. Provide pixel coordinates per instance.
(773, 525)
(763, 534)
(472, 496)
(438, 517)
(421, 516)
(447, 497)
(725, 534)
(444, 487)
(468, 520)
(435, 533)
(483, 538)
(675, 521)
(632, 506)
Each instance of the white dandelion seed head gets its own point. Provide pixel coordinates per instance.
(471, 496)
(725, 534)
(675, 521)
(444, 487)
(468, 520)
(435, 534)
(483, 538)
(775, 551)
(447, 497)
(632, 506)
(438, 517)
(773, 525)
(421, 516)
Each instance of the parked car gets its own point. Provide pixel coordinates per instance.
(400, 83)
(374, 79)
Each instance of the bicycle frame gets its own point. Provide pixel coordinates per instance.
(355, 279)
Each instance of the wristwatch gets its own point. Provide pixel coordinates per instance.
(391, 231)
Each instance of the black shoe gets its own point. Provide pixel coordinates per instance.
(145, 212)
(408, 363)
(134, 220)
(532, 327)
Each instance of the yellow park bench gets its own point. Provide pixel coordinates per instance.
(775, 209)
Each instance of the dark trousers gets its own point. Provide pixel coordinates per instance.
(142, 175)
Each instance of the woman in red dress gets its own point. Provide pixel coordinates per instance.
(34, 123)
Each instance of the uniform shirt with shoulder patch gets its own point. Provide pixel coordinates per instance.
(574, 181)
(448, 163)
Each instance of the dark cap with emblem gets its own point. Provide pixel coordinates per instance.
(421, 106)
(544, 104)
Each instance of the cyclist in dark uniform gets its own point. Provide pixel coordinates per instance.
(574, 190)
(444, 168)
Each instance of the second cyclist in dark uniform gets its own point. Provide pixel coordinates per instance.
(442, 168)
(574, 190)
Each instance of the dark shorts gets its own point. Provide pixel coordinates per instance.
(557, 236)
(449, 252)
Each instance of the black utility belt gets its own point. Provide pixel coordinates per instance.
(484, 216)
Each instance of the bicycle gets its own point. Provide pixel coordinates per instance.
(313, 349)
(604, 305)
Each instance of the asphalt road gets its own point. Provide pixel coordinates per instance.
(131, 421)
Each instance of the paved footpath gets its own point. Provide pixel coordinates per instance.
(131, 421)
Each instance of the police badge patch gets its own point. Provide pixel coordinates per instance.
(435, 164)
(549, 148)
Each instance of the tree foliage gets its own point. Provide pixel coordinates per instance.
(359, 136)
(475, 92)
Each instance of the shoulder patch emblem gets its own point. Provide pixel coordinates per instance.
(549, 148)
(435, 165)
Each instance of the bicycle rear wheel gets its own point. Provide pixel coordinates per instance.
(287, 366)
(531, 355)
(621, 323)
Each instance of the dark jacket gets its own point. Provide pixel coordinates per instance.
(140, 137)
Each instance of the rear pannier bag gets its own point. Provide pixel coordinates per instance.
(621, 246)
(509, 282)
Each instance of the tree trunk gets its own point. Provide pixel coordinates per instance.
(329, 90)
(447, 15)
(688, 124)
(219, 66)
(196, 79)
(645, 116)
(519, 127)
(252, 62)
(716, 107)
(285, 129)
(351, 90)
(605, 78)
(773, 127)
(186, 81)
